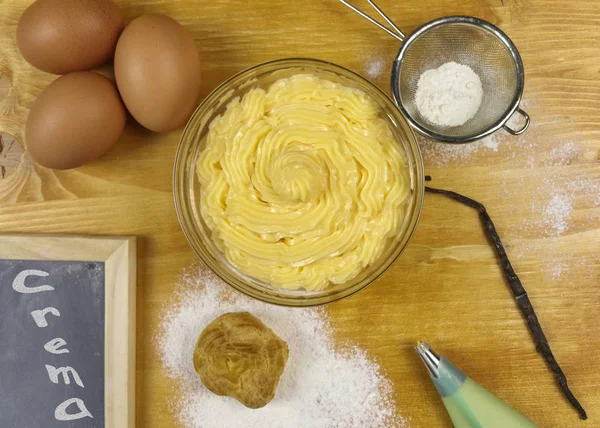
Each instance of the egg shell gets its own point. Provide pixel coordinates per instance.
(62, 36)
(77, 119)
(157, 69)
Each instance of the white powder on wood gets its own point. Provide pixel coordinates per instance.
(441, 154)
(374, 68)
(549, 211)
(557, 212)
(557, 204)
(531, 150)
(321, 387)
(449, 95)
(557, 270)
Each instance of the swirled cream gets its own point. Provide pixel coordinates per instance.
(302, 184)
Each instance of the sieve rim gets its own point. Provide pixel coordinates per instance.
(469, 20)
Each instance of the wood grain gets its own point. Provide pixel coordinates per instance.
(120, 343)
(447, 287)
(119, 257)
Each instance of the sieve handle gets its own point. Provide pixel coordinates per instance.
(523, 128)
(395, 32)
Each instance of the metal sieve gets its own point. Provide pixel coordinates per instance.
(465, 40)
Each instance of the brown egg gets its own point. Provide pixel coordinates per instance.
(62, 36)
(77, 119)
(158, 72)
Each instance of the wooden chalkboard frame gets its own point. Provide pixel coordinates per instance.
(119, 257)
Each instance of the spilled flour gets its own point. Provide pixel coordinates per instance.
(558, 203)
(556, 213)
(321, 387)
(441, 154)
(375, 68)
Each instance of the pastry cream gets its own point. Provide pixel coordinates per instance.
(302, 184)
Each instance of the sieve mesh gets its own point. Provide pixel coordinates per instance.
(468, 44)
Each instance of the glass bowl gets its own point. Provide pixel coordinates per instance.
(187, 186)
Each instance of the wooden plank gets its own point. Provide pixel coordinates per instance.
(119, 354)
(61, 247)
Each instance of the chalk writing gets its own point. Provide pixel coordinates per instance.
(19, 282)
(54, 372)
(53, 346)
(60, 414)
(39, 316)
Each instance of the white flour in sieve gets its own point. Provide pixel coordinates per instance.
(449, 95)
(321, 387)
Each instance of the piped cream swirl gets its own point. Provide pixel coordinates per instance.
(302, 184)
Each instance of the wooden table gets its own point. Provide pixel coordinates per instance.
(447, 287)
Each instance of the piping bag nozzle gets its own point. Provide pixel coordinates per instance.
(469, 404)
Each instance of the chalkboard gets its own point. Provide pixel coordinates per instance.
(52, 330)
(67, 331)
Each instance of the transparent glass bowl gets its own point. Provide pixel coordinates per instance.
(187, 186)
